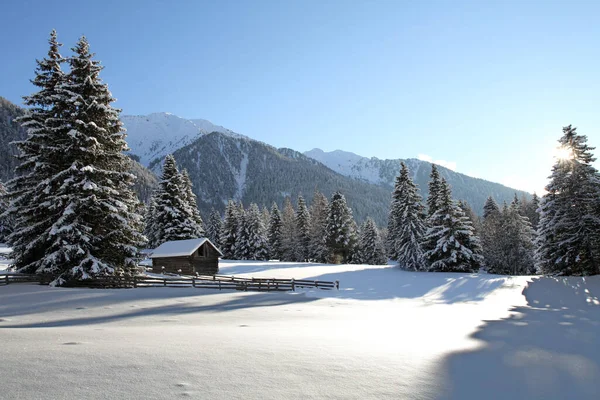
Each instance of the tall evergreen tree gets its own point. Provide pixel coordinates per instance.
(319, 209)
(302, 231)
(98, 228)
(275, 235)
(395, 216)
(340, 231)
(230, 230)
(530, 210)
(568, 240)
(173, 215)
(475, 221)
(252, 241)
(265, 216)
(371, 248)
(150, 226)
(5, 223)
(490, 208)
(40, 156)
(450, 241)
(435, 187)
(214, 227)
(192, 204)
(410, 223)
(288, 232)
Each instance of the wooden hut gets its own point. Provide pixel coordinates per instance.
(187, 257)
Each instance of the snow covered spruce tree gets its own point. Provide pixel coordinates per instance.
(275, 237)
(530, 210)
(340, 231)
(97, 230)
(230, 230)
(302, 231)
(5, 223)
(173, 217)
(490, 208)
(214, 227)
(568, 241)
(288, 232)
(192, 204)
(319, 209)
(150, 227)
(409, 226)
(434, 191)
(252, 239)
(29, 210)
(370, 246)
(450, 243)
(394, 218)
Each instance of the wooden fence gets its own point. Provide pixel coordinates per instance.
(221, 282)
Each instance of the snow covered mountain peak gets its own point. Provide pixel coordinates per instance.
(155, 135)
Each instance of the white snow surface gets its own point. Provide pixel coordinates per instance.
(156, 135)
(386, 334)
(176, 248)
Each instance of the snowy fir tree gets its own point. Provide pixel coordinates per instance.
(39, 155)
(568, 241)
(435, 187)
(394, 218)
(507, 239)
(288, 232)
(265, 216)
(230, 230)
(530, 210)
(150, 227)
(370, 246)
(302, 231)
(340, 231)
(241, 213)
(490, 208)
(274, 235)
(192, 204)
(97, 229)
(450, 243)
(252, 236)
(173, 217)
(214, 227)
(319, 209)
(5, 223)
(409, 222)
(475, 220)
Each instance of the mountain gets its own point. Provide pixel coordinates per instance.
(224, 166)
(155, 135)
(383, 172)
(11, 131)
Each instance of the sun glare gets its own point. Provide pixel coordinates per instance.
(563, 153)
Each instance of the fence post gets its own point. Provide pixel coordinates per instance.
(337, 285)
(316, 284)
(193, 282)
(6, 278)
(293, 285)
(165, 282)
(219, 285)
(135, 281)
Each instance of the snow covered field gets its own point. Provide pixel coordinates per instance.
(386, 334)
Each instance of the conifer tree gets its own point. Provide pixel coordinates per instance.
(450, 241)
(150, 227)
(214, 227)
(29, 210)
(340, 231)
(288, 232)
(371, 248)
(192, 205)
(97, 231)
(318, 220)
(435, 188)
(568, 240)
(241, 215)
(5, 223)
(252, 241)
(475, 220)
(530, 210)
(395, 216)
(173, 215)
(265, 216)
(490, 208)
(275, 237)
(302, 231)
(230, 230)
(410, 223)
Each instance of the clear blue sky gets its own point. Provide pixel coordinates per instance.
(484, 84)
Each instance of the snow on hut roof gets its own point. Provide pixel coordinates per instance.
(179, 248)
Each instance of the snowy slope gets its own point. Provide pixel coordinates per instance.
(156, 135)
(387, 334)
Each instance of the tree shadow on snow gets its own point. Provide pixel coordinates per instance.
(391, 282)
(549, 349)
(172, 310)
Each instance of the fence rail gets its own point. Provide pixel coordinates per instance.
(220, 282)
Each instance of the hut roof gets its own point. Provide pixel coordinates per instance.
(180, 248)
